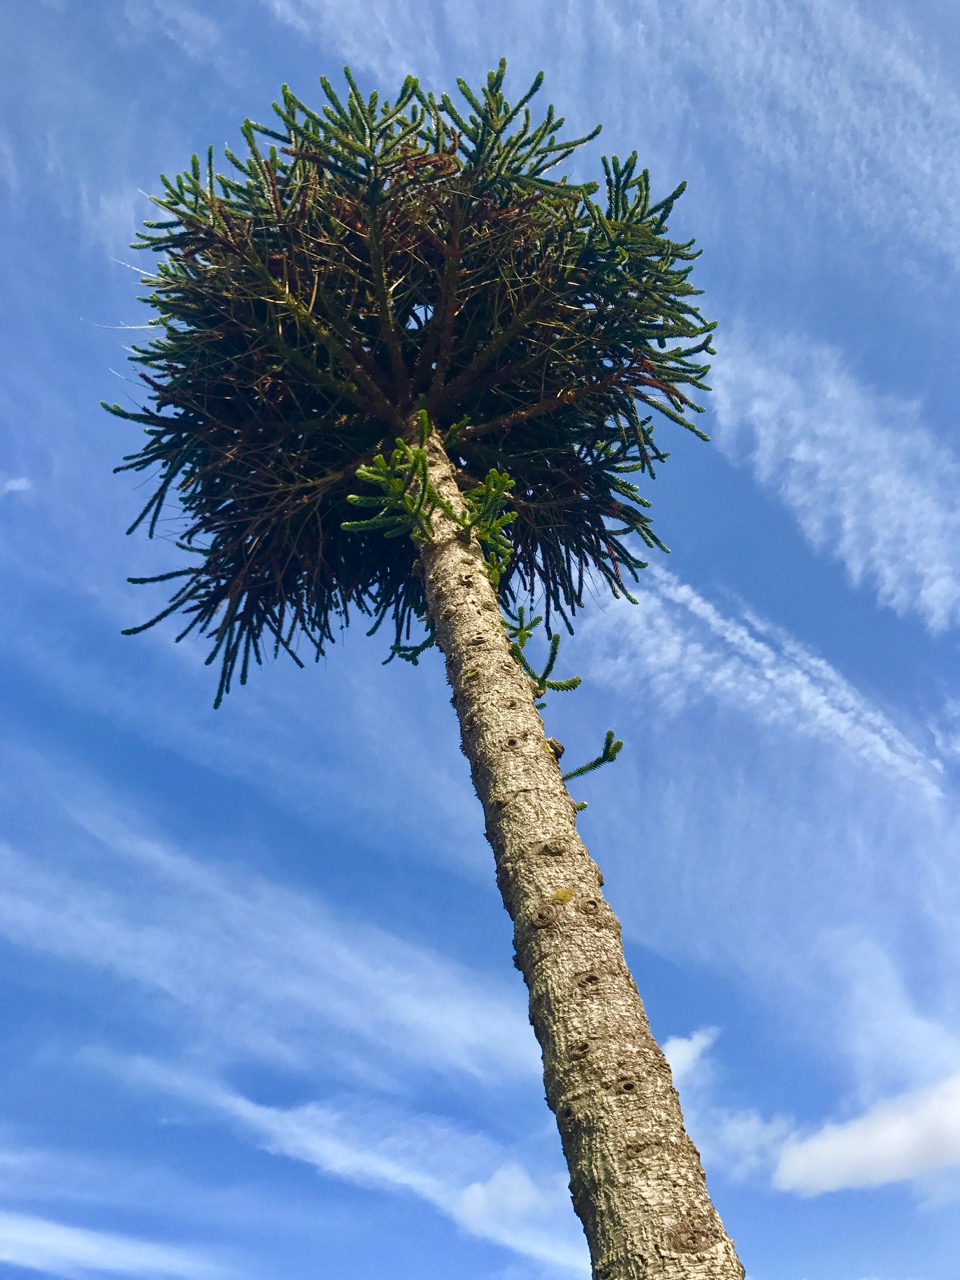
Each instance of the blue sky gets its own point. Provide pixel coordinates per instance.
(259, 1015)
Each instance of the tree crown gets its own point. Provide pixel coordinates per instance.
(370, 264)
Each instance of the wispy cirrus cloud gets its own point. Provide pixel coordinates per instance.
(272, 972)
(55, 1248)
(788, 828)
(806, 88)
(9, 170)
(190, 27)
(388, 40)
(111, 214)
(945, 729)
(897, 1035)
(350, 718)
(687, 650)
(268, 975)
(866, 481)
(466, 1176)
(831, 90)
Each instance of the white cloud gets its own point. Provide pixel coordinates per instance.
(9, 172)
(865, 480)
(194, 32)
(779, 823)
(279, 976)
(463, 1175)
(38, 1244)
(738, 1140)
(112, 215)
(904, 1138)
(894, 1040)
(685, 649)
(828, 93)
(271, 971)
(17, 484)
(532, 1217)
(898, 1140)
(686, 1053)
(367, 729)
(822, 92)
(945, 730)
(780, 836)
(88, 1185)
(391, 40)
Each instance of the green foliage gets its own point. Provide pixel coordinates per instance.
(406, 501)
(374, 260)
(611, 749)
(488, 521)
(520, 630)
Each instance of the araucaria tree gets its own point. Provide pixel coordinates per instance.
(400, 372)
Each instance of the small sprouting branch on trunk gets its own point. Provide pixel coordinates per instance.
(520, 630)
(407, 500)
(611, 749)
(487, 521)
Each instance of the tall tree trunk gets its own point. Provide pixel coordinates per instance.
(635, 1176)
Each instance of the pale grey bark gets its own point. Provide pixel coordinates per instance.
(635, 1176)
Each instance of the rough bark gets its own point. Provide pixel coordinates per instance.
(635, 1176)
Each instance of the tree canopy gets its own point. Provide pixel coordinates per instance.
(376, 261)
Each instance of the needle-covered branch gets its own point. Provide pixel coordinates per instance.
(370, 259)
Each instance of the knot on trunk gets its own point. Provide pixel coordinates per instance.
(552, 848)
(544, 916)
(691, 1237)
